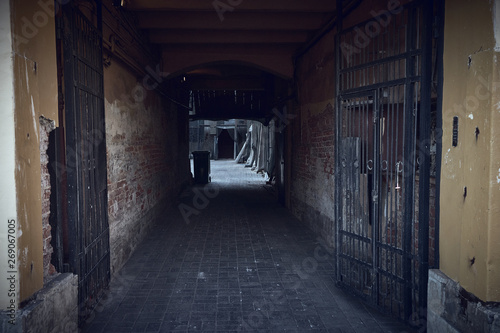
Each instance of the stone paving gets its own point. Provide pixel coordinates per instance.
(234, 260)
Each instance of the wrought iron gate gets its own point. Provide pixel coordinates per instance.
(382, 177)
(87, 217)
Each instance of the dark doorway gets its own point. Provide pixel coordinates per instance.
(226, 145)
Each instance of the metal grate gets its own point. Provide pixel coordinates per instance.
(379, 197)
(88, 236)
(229, 104)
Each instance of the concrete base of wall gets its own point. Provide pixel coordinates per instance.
(125, 237)
(451, 309)
(54, 309)
(321, 224)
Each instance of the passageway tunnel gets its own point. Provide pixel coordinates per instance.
(232, 259)
(343, 136)
(237, 111)
(299, 72)
(327, 104)
(336, 89)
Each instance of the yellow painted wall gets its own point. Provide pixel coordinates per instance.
(35, 95)
(8, 211)
(470, 225)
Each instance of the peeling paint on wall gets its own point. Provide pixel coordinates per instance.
(448, 169)
(35, 127)
(146, 158)
(496, 24)
(8, 208)
(469, 223)
(33, 92)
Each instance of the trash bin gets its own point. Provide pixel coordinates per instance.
(201, 167)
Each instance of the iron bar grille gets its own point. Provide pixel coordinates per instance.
(231, 103)
(89, 254)
(378, 109)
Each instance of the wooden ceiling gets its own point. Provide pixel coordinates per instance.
(264, 34)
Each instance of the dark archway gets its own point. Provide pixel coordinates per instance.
(225, 145)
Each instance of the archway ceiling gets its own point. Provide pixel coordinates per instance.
(266, 33)
(243, 45)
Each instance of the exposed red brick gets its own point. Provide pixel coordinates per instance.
(148, 161)
(46, 126)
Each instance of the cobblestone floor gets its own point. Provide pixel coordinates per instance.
(236, 261)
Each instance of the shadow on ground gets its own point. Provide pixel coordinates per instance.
(238, 262)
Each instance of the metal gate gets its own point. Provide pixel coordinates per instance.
(87, 213)
(382, 176)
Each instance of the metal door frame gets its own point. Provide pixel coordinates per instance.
(416, 82)
(86, 220)
(368, 236)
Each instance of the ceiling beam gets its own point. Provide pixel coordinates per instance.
(231, 49)
(233, 21)
(225, 83)
(226, 37)
(177, 63)
(252, 5)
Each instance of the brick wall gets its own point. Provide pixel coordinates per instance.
(312, 179)
(432, 220)
(312, 187)
(46, 126)
(147, 151)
